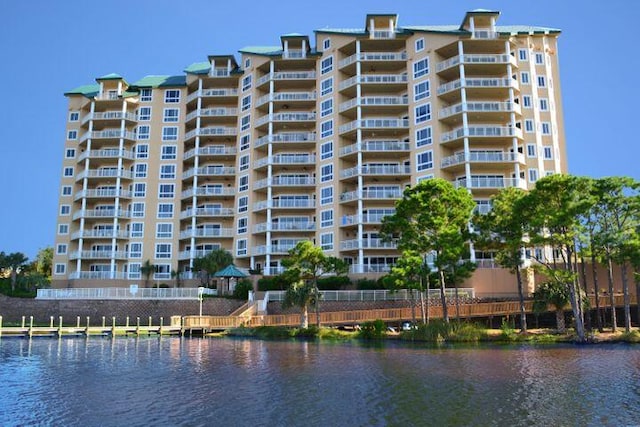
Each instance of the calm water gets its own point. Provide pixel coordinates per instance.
(226, 382)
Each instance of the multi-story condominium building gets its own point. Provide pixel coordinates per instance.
(297, 142)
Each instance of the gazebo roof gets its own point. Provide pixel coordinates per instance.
(230, 271)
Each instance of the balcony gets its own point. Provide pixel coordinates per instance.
(286, 97)
(390, 194)
(98, 255)
(208, 192)
(371, 243)
(501, 59)
(480, 107)
(287, 137)
(105, 173)
(212, 112)
(219, 72)
(370, 268)
(286, 159)
(210, 151)
(481, 131)
(289, 117)
(490, 183)
(108, 134)
(272, 249)
(206, 212)
(101, 213)
(294, 54)
(207, 232)
(374, 57)
(485, 34)
(273, 271)
(482, 157)
(102, 193)
(112, 153)
(477, 83)
(100, 234)
(375, 101)
(210, 171)
(382, 34)
(102, 275)
(386, 123)
(285, 181)
(285, 226)
(362, 219)
(380, 79)
(213, 93)
(286, 75)
(285, 204)
(109, 115)
(197, 253)
(212, 131)
(377, 170)
(376, 146)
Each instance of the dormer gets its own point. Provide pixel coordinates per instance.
(481, 23)
(222, 65)
(112, 86)
(381, 26)
(294, 46)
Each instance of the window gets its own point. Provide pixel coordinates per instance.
(66, 190)
(421, 90)
(326, 150)
(169, 133)
(546, 128)
(522, 54)
(423, 113)
(137, 210)
(533, 175)
(136, 229)
(143, 132)
(539, 58)
(326, 86)
(166, 191)
(169, 152)
(244, 162)
(524, 78)
(245, 142)
(74, 116)
(165, 210)
(326, 195)
(548, 152)
(326, 241)
(142, 151)
(171, 96)
(144, 114)
(134, 270)
(72, 134)
(528, 126)
(326, 44)
(423, 137)
(163, 271)
(421, 68)
(245, 122)
(526, 101)
(163, 250)
(542, 82)
(241, 247)
(242, 225)
(424, 160)
(135, 250)
(326, 218)
(246, 103)
(247, 63)
(419, 45)
(167, 171)
(531, 150)
(246, 83)
(544, 104)
(243, 204)
(164, 230)
(326, 129)
(548, 173)
(63, 228)
(326, 107)
(146, 95)
(65, 210)
(243, 183)
(140, 170)
(326, 173)
(171, 115)
(326, 66)
(70, 153)
(139, 189)
(68, 171)
(61, 249)
(61, 269)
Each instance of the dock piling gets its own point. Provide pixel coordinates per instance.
(59, 326)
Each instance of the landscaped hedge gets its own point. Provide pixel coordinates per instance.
(333, 283)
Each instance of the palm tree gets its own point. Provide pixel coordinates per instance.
(147, 269)
(210, 263)
(555, 294)
(175, 274)
(14, 262)
(301, 294)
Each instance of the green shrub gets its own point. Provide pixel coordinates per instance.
(370, 284)
(333, 283)
(507, 331)
(309, 332)
(276, 283)
(373, 330)
(242, 289)
(439, 330)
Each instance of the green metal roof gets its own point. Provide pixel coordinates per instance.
(294, 35)
(198, 68)
(87, 90)
(352, 31)
(110, 76)
(526, 29)
(448, 29)
(436, 28)
(160, 81)
(262, 50)
(230, 271)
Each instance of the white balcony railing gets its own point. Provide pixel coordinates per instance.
(272, 249)
(98, 255)
(287, 75)
(205, 212)
(379, 101)
(210, 151)
(212, 112)
(371, 195)
(293, 137)
(208, 191)
(123, 293)
(98, 234)
(209, 171)
(363, 219)
(485, 34)
(490, 83)
(285, 226)
(376, 170)
(105, 173)
(374, 79)
(481, 131)
(285, 204)
(475, 59)
(480, 107)
(381, 123)
(107, 153)
(286, 159)
(109, 115)
(376, 146)
(490, 183)
(374, 56)
(98, 193)
(212, 93)
(219, 72)
(286, 97)
(371, 243)
(101, 213)
(207, 232)
(292, 116)
(212, 131)
(482, 157)
(108, 134)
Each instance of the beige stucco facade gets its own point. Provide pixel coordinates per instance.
(312, 139)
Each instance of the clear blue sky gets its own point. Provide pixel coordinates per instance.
(48, 47)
